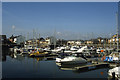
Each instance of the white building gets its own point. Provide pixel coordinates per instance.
(18, 39)
(51, 40)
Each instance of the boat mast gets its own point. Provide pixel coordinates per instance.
(110, 41)
(28, 36)
(54, 38)
(36, 38)
(39, 39)
(118, 24)
(33, 37)
(117, 32)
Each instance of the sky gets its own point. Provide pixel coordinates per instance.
(65, 20)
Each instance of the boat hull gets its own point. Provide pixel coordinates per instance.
(71, 61)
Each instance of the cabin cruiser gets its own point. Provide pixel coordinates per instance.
(73, 59)
(89, 51)
(47, 49)
(115, 71)
(74, 48)
(80, 50)
(58, 49)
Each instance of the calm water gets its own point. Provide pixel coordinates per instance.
(26, 67)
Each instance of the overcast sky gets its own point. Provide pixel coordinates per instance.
(68, 20)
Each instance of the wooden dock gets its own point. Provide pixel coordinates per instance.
(92, 66)
(111, 63)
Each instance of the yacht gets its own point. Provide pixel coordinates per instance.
(74, 48)
(115, 70)
(80, 50)
(58, 49)
(73, 59)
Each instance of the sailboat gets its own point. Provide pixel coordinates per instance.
(114, 56)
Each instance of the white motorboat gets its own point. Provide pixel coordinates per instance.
(73, 59)
(115, 70)
(67, 51)
(74, 48)
(81, 49)
(46, 49)
(58, 49)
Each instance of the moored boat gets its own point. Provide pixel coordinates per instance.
(114, 56)
(114, 72)
(38, 54)
(73, 59)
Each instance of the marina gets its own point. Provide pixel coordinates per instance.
(60, 62)
(61, 41)
(42, 66)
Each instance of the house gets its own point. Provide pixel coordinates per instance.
(78, 42)
(102, 40)
(74, 42)
(89, 42)
(71, 42)
(113, 39)
(17, 39)
(51, 40)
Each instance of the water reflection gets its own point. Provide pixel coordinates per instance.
(19, 65)
(6, 52)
